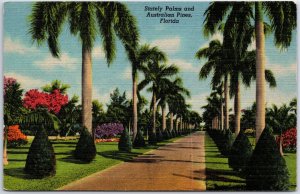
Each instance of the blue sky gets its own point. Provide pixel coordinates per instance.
(34, 67)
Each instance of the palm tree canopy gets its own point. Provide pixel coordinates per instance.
(282, 17)
(56, 85)
(86, 20)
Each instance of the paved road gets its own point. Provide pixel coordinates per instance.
(178, 166)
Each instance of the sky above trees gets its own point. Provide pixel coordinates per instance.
(34, 66)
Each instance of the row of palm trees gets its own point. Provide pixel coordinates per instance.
(110, 20)
(232, 61)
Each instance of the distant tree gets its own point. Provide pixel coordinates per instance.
(12, 108)
(56, 85)
(118, 108)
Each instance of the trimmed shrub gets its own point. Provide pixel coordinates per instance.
(159, 136)
(40, 160)
(166, 134)
(85, 148)
(152, 138)
(240, 152)
(15, 137)
(139, 140)
(125, 144)
(226, 142)
(267, 170)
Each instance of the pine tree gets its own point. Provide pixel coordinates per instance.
(41, 160)
(85, 148)
(125, 144)
(240, 152)
(139, 140)
(267, 170)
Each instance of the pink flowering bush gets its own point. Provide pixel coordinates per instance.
(108, 130)
(53, 101)
(289, 140)
(8, 81)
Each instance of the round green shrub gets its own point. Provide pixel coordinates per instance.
(240, 152)
(139, 140)
(85, 148)
(152, 139)
(267, 170)
(125, 144)
(40, 160)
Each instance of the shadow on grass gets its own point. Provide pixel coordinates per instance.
(123, 156)
(71, 159)
(53, 142)
(220, 175)
(17, 152)
(17, 172)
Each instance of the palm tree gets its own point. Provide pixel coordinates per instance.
(282, 24)
(138, 57)
(167, 90)
(86, 20)
(280, 119)
(156, 74)
(216, 63)
(244, 72)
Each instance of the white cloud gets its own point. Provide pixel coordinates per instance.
(26, 81)
(127, 74)
(252, 46)
(184, 65)
(170, 45)
(16, 46)
(98, 53)
(65, 61)
(283, 70)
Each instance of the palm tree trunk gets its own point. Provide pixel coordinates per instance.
(163, 113)
(260, 70)
(176, 124)
(171, 121)
(154, 114)
(237, 109)
(5, 160)
(87, 89)
(134, 103)
(221, 112)
(226, 112)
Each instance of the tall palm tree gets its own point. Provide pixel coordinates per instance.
(244, 72)
(138, 57)
(282, 24)
(156, 74)
(216, 63)
(86, 20)
(167, 90)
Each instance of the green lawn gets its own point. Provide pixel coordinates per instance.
(68, 168)
(220, 177)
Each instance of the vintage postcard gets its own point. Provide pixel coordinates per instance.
(150, 96)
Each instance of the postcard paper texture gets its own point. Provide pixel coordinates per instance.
(149, 96)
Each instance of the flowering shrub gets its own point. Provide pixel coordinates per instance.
(108, 130)
(8, 81)
(107, 140)
(289, 140)
(15, 137)
(53, 101)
